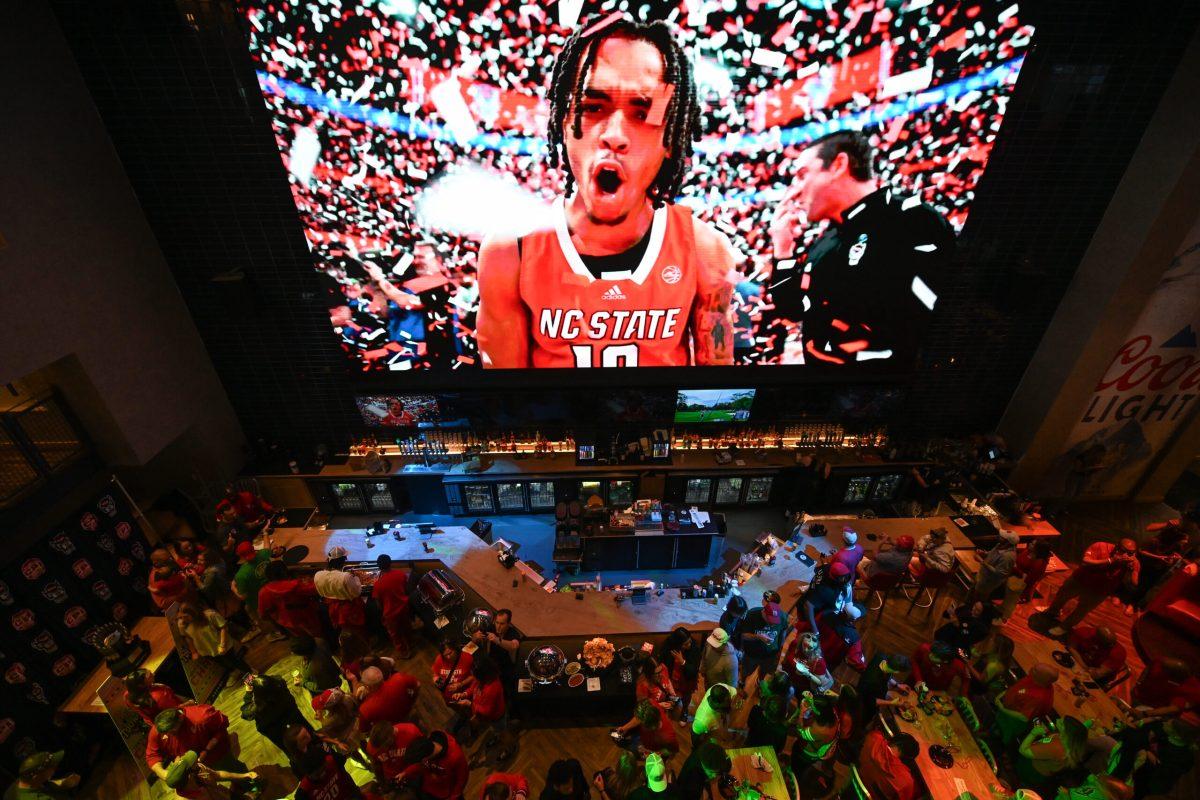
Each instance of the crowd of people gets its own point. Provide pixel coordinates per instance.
(226, 592)
(796, 679)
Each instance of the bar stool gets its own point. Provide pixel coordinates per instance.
(859, 790)
(880, 587)
(930, 582)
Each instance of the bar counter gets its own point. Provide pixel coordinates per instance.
(549, 615)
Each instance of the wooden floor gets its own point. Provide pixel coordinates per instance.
(539, 747)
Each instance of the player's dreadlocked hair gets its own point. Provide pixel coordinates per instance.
(681, 123)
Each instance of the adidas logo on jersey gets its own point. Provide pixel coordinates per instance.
(613, 293)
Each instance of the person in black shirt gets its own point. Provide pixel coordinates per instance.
(1156, 755)
(272, 707)
(767, 723)
(658, 785)
(829, 595)
(972, 624)
(761, 636)
(707, 764)
(565, 781)
(885, 673)
(731, 618)
(863, 290)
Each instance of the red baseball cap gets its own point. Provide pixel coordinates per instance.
(905, 543)
(321, 700)
(245, 551)
(838, 569)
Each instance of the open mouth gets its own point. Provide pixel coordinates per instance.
(608, 180)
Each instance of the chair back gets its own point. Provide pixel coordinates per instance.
(856, 782)
(934, 579)
(884, 581)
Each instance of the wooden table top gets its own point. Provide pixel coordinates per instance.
(771, 784)
(154, 630)
(895, 527)
(1098, 705)
(970, 772)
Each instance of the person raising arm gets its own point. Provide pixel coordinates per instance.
(712, 325)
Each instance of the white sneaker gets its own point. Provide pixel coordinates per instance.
(1040, 609)
(1056, 631)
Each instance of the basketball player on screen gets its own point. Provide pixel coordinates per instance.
(624, 278)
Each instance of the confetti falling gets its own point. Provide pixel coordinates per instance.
(373, 103)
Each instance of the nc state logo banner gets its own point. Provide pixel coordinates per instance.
(87, 572)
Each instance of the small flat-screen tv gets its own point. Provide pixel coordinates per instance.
(399, 411)
(713, 405)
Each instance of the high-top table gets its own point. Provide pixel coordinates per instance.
(156, 632)
(970, 771)
(771, 782)
(1096, 704)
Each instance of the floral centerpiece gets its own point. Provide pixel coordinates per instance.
(598, 653)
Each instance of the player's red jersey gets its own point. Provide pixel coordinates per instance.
(637, 317)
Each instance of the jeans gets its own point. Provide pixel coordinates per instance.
(1086, 601)
(751, 662)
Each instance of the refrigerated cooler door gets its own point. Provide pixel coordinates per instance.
(698, 490)
(478, 497)
(511, 496)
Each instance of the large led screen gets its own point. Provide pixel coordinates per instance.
(578, 184)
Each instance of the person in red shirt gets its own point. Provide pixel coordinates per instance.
(1031, 565)
(1167, 688)
(323, 778)
(1098, 649)
(251, 509)
(887, 767)
(148, 698)
(186, 553)
(441, 766)
(487, 694)
(452, 670)
(1105, 569)
(504, 786)
(291, 603)
(1033, 695)
(386, 746)
(654, 683)
(390, 593)
(804, 663)
(198, 727)
(851, 553)
(653, 729)
(389, 700)
(938, 666)
(166, 583)
(489, 708)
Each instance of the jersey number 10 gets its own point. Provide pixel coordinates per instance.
(611, 355)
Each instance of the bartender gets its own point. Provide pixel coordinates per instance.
(865, 288)
(501, 645)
